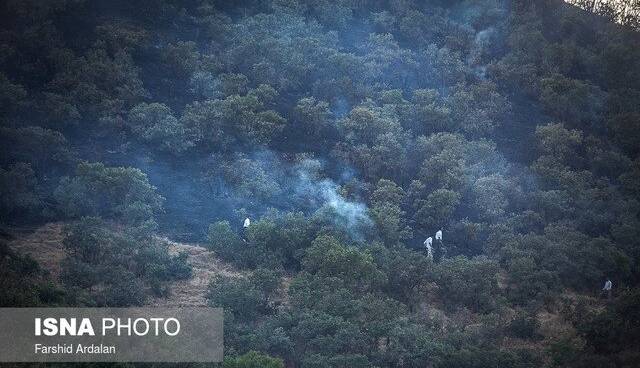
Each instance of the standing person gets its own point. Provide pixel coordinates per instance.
(441, 251)
(245, 227)
(607, 288)
(427, 243)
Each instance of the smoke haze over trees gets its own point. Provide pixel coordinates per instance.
(348, 132)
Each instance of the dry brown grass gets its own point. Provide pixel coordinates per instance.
(205, 265)
(44, 244)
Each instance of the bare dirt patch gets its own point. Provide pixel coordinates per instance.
(205, 265)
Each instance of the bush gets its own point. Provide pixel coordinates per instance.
(247, 252)
(23, 283)
(121, 193)
(238, 295)
(114, 268)
(524, 326)
(468, 282)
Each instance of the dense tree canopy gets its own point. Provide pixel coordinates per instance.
(348, 132)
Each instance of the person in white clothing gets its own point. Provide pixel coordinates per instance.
(607, 288)
(428, 244)
(440, 250)
(245, 227)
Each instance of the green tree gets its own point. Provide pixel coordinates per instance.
(437, 209)
(120, 193)
(236, 119)
(471, 283)
(374, 141)
(46, 150)
(245, 297)
(387, 200)
(19, 193)
(252, 359)
(155, 124)
(328, 258)
(108, 267)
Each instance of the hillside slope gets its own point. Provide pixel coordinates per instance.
(44, 245)
(205, 266)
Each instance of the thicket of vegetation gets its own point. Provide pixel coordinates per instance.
(348, 132)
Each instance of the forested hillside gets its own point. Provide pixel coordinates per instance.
(347, 132)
